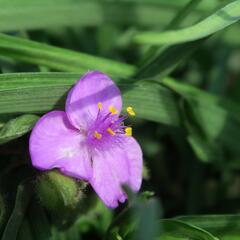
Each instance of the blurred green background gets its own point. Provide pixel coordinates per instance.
(177, 63)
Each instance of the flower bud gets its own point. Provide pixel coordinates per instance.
(62, 196)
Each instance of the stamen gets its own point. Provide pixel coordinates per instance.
(113, 110)
(131, 111)
(97, 135)
(128, 131)
(110, 131)
(100, 106)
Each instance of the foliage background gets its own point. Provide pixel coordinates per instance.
(177, 63)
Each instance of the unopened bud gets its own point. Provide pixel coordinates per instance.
(61, 195)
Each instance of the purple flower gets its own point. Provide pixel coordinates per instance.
(89, 140)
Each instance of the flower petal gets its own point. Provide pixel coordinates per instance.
(55, 143)
(135, 163)
(105, 182)
(121, 164)
(82, 101)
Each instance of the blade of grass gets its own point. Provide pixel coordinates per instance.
(17, 127)
(181, 15)
(168, 59)
(226, 227)
(57, 58)
(212, 123)
(22, 200)
(163, 60)
(28, 14)
(174, 229)
(221, 19)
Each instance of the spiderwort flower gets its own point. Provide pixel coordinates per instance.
(89, 140)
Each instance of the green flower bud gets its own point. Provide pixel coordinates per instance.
(62, 196)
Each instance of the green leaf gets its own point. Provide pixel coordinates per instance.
(35, 225)
(59, 58)
(162, 60)
(203, 7)
(25, 232)
(168, 59)
(71, 233)
(226, 227)
(182, 14)
(178, 230)
(141, 220)
(39, 224)
(154, 51)
(28, 14)
(147, 213)
(29, 93)
(221, 19)
(17, 127)
(138, 221)
(203, 147)
(212, 122)
(23, 197)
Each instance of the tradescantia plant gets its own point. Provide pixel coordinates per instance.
(75, 76)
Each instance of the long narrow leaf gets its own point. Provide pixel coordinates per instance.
(16, 218)
(58, 58)
(28, 14)
(226, 227)
(216, 22)
(174, 229)
(168, 59)
(213, 120)
(17, 127)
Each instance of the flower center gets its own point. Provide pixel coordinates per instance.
(108, 127)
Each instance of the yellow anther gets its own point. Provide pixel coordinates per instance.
(110, 131)
(99, 105)
(128, 131)
(97, 135)
(113, 110)
(131, 111)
